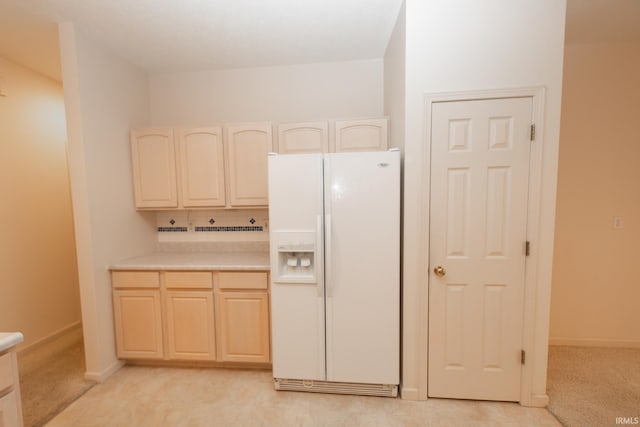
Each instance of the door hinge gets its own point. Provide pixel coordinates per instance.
(527, 248)
(522, 357)
(532, 134)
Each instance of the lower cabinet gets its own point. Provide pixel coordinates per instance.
(242, 313)
(190, 325)
(9, 415)
(10, 402)
(138, 323)
(192, 316)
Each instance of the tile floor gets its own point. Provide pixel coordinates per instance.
(154, 396)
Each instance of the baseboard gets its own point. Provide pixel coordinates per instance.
(594, 343)
(61, 338)
(407, 393)
(536, 401)
(105, 373)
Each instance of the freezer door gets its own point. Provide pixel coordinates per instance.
(296, 234)
(362, 266)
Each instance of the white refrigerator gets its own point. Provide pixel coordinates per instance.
(335, 271)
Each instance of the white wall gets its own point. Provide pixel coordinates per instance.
(278, 94)
(462, 45)
(105, 97)
(394, 80)
(38, 273)
(595, 289)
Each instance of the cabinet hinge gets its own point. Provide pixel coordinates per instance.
(532, 133)
(522, 357)
(527, 248)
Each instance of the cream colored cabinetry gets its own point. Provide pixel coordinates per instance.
(300, 138)
(176, 315)
(201, 167)
(248, 145)
(154, 168)
(137, 309)
(361, 135)
(348, 135)
(190, 319)
(242, 312)
(9, 415)
(10, 403)
(208, 170)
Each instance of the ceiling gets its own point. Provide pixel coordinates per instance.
(186, 35)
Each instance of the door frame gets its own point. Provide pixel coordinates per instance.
(537, 287)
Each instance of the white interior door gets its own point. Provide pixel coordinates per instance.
(479, 190)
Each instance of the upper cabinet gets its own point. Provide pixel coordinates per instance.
(207, 167)
(347, 135)
(361, 135)
(154, 168)
(201, 167)
(307, 137)
(248, 145)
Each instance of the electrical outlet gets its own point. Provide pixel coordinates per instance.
(618, 222)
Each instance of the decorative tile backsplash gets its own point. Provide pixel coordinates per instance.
(212, 226)
(174, 229)
(229, 228)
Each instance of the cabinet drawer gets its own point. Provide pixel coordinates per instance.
(135, 279)
(6, 372)
(188, 280)
(242, 280)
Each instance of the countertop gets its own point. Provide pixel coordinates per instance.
(10, 339)
(196, 261)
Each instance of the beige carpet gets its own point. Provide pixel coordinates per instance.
(590, 386)
(51, 378)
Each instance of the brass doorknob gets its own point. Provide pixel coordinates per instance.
(440, 271)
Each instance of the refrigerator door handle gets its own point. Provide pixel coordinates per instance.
(319, 256)
(328, 257)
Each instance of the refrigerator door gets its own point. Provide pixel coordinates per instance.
(297, 298)
(362, 259)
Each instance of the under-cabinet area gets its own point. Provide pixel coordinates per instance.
(193, 315)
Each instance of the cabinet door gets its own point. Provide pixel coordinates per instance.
(154, 168)
(201, 163)
(138, 324)
(9, 416)
(361, 135)
(299, 138)
(247, 148)
(190, 325)
(243, 326)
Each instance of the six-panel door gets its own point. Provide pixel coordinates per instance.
(479, 183)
